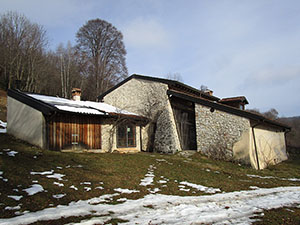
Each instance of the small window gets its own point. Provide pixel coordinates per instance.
(126, 136)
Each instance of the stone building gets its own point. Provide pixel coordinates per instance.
(72, 125)
(185, 118)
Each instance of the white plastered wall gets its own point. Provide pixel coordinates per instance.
(271, 148)
(25, 123)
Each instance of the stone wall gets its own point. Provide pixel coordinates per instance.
(149, 99)
(218, 131)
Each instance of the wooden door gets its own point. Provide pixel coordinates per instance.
(184, 113)
(74, 132)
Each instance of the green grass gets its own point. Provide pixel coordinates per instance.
(112, 171)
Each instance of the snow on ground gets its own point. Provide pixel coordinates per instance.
(3, 126)
(125, 191)
(148, 179)
(42, 173)
(73, 187)
(35, 188)
(12, 153)
(57, 176)
(58, 196)
(271, 177)
(201, 187)
(225, 208)
(49, 174)
(15, 197)
(58, 184)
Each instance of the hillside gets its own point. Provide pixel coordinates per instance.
(47, 187)
(293, 137)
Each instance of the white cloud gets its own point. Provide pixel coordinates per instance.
(146, 33)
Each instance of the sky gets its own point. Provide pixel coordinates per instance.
(234, 47)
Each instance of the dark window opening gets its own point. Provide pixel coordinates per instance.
(126, 136)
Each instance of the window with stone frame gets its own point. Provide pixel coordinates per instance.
(126, 136)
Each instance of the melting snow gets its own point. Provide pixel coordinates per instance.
(58, 196)
(15, 197)
(73, 187)
(3, 126)
(201, 187)
(42, 173)
(57, 176)
(148, 180)
(224, 208)
(58, 184)
(271, 177)
(35, 188)
(125, 191)
(12, 153)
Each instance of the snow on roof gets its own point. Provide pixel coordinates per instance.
(85, 107)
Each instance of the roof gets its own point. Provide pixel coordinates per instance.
(171, 83)
(235, 99)
(50, 104)
(229, 109)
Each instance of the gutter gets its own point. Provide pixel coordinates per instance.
(255, 146)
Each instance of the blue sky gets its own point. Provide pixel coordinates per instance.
(235, 47)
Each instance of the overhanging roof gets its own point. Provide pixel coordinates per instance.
(171, 83)
(228, 109)
(49, 105)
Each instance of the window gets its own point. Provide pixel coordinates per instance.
(126, 136)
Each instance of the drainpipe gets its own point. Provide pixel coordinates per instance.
(255, 146)
(141, 144)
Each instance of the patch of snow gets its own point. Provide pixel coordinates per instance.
(12, 208)
(35, 188)
(87, 188)
(201, 187)
(99, 187)
(87, 183)
(57, 176)
(184, 189)
(15, 197)
(271, 177)
(59, 167)
(58, 184)
(104, 198)
(58, 196)
(148, 179)
(35, 181)
(125, 191)
(122, 200)
(253, 187)
(257, 176)
(153, 191)
(3, 126)
(1, 172)
(73, 187)
(6, 149)
(162, 181)
(12, 153)
(42, 173)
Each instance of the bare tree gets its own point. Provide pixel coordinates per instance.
(174, 76)
(22, 46)
(102, 54)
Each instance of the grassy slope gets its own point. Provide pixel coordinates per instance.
(125, 171)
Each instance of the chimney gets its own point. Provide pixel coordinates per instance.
(208, 92)
(76, 93)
